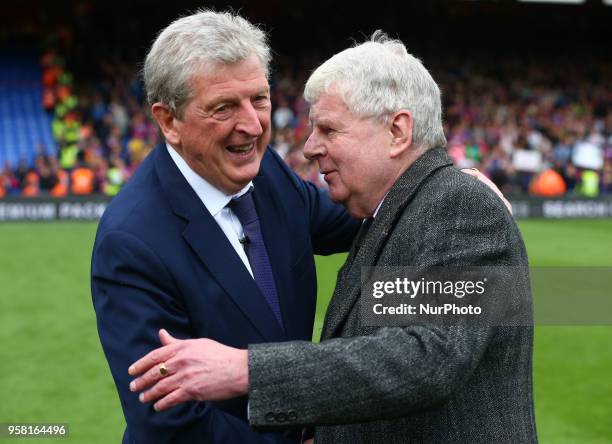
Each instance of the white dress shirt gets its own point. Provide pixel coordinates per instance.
(215, 202)
(379, 205)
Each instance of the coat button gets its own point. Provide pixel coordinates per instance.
(281, 417)
(269, 417)
(292, 415)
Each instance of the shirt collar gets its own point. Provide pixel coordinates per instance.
(379, 205)
(213, 198)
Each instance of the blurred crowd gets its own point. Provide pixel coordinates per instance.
(543, 128)
(534, 127)
(102, 132)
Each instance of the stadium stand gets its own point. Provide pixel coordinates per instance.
(25, 128)
(514, 110)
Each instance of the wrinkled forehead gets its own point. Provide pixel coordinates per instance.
(244, 77)
(330, 105)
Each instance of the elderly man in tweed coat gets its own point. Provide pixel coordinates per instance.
(377, 135)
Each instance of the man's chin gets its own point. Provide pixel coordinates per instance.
(353, 208)
(246, 172)
(339, 198)
(238, 183)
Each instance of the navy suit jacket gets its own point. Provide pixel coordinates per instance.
(160, 260)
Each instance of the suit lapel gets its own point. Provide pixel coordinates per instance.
(212, 247)
(348, 287)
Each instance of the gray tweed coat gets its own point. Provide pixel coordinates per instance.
(422, 384)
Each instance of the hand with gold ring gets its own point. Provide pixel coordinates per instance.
(163, 371)
(189, 370)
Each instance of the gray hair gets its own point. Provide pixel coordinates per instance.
(196, 43)
(380, 77)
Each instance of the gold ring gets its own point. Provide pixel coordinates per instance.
(162, 369)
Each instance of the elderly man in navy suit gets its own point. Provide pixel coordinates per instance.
(213, 236)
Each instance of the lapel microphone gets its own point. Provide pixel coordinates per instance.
(244, 240)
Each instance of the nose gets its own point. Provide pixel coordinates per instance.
(313, 148)
(249, 121)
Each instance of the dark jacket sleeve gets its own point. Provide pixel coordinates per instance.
(393, 371)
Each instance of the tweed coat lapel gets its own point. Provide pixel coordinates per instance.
(348, 285)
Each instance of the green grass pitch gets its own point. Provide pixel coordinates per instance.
(54, 369)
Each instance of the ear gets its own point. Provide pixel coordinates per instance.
(167, 122)
(401, 124)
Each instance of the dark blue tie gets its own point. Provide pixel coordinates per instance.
(244, 208)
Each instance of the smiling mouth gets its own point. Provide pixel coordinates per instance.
(241, 149)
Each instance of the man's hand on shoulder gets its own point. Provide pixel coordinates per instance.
(189, 370)
(484, 179)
